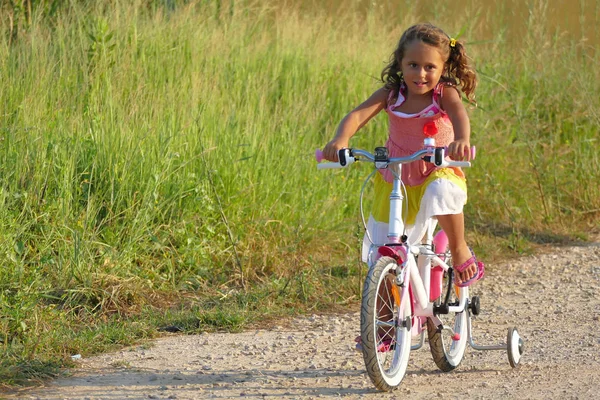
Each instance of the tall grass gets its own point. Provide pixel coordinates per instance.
(155, 160)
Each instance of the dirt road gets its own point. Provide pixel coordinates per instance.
(553, 299)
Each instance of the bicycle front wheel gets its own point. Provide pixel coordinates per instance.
(385, 324)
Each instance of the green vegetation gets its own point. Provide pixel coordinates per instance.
(156, 160)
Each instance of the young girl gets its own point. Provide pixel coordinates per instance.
(421, 97)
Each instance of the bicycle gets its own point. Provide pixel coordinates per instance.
(409, 285)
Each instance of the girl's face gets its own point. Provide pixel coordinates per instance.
(422, 67)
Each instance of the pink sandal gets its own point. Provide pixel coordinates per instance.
(477, 276)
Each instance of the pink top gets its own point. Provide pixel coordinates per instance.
(406, 135)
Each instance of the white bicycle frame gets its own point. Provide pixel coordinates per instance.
(418, 273)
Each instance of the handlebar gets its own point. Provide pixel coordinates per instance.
(435, 155)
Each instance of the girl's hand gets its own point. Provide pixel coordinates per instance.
(460, 150)
(330, 152)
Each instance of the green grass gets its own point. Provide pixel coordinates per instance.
(156, 161)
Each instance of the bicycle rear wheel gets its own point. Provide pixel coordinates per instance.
(448, 344)
(385, 324)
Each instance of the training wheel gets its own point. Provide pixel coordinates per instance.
(514, 347)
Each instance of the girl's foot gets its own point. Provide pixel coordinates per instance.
(460, 280)
(460, 258)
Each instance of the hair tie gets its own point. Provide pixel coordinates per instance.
(452, 42)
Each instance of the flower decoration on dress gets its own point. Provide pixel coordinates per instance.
(430, 129)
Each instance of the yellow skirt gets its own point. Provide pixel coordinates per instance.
(452, 195)
(442, 193)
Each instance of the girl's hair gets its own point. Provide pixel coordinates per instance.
(458, 71)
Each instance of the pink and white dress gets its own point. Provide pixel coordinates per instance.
(430, 190)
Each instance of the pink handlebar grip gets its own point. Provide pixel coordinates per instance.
(319, 155)
(473, 152)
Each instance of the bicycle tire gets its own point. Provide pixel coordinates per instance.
(448, 353)
(385, 366)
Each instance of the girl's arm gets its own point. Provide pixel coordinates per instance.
(355, 120)
(460, 148)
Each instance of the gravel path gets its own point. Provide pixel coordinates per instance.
(552, 298)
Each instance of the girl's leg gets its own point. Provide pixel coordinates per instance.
(454, 226)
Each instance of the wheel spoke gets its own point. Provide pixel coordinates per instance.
(389, 324)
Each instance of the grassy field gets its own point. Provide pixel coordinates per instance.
(156, 163)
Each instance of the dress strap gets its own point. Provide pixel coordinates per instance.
(395, 99)
(390, 100)
(438, 93)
